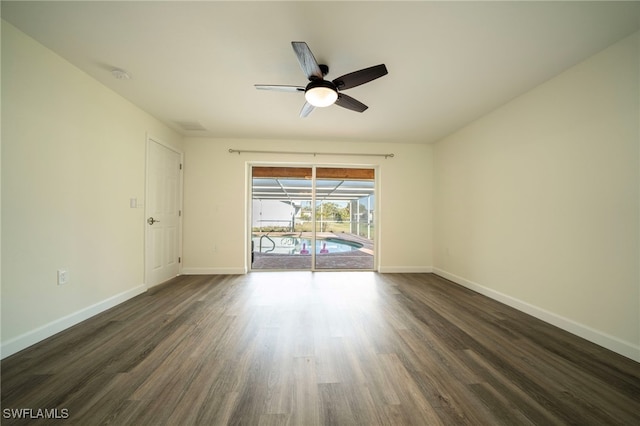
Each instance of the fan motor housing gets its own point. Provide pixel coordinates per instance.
(321, 83)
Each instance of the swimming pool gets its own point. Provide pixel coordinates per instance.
(291, 244)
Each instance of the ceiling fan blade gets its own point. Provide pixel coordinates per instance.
(349, 103)
(307, 61)
(279, 88)
(362, 76)
(306, 109)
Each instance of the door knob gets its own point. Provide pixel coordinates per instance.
(151, 221)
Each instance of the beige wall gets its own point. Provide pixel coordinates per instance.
(215, 216)
(73, 154)
(537, 204)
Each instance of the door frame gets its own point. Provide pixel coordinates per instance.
(313, 166)
(149, 140)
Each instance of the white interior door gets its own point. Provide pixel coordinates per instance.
(163, 213)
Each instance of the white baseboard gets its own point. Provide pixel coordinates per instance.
(32, 337)
(405, 269)
(605, 340)
(214, 271)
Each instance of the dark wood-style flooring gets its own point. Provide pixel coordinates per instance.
(327, 348)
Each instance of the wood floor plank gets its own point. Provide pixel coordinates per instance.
(330, 348)
(501, 409)
(306, 407)
(493, 376)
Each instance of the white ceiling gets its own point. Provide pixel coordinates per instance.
(449, 62)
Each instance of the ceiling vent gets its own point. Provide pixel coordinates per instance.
(191, 126)
(120, 74)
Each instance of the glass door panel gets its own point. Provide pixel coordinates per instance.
(281, 228)
(344, 218)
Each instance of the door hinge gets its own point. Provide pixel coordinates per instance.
(179, 213)
(180, 166)
(179, 260)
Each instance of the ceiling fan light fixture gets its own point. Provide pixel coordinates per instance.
(321, 93)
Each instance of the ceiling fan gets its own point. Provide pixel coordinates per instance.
(322, 93)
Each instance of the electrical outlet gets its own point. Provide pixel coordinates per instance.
(63, 277)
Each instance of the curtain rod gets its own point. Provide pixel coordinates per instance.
(239, 151)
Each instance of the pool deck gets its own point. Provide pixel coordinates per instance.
(356, 259)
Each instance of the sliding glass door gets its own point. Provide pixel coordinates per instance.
(312, 218)
(281, 229)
